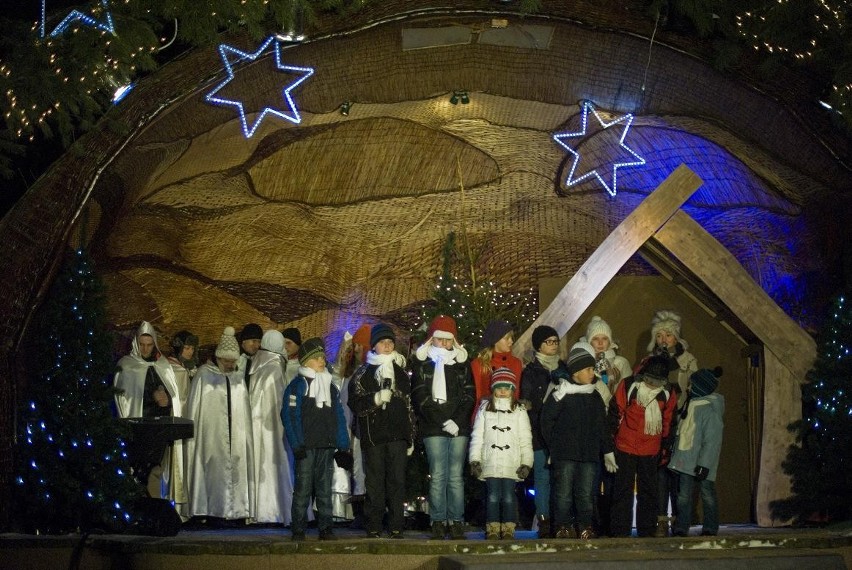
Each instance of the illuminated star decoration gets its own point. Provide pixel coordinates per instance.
(626, 120)
(293, 114)
(105, 23)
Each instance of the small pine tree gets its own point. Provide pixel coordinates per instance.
(472, 301)
(820, 462)
(73, 473)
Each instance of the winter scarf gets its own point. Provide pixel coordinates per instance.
(549, 362)
(320, 386)
(646, 396)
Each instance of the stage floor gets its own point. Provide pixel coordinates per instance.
(249, 548)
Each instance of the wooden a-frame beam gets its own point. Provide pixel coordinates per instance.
(613, 253)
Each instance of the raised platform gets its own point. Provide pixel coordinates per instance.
(736, 547)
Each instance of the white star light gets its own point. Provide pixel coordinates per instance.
(104, 24)
(626, 120)
(292, 113)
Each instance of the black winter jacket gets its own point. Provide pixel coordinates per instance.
(575, 427)
(376, 425)
(460, 396)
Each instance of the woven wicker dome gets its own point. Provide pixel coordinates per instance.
(339, 219)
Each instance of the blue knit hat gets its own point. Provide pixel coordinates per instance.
(380, 332)
(704, 381)
(494, 332)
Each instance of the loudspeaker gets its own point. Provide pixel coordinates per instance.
(155, 517)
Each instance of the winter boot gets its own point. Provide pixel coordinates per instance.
(457, 530)
(566, 532)
(439, 529)
(662, 529)
(588, 533)
(492, 531)
(543, 527)
(508, 531)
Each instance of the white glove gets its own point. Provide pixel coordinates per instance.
(410, 451)
(377, 398)
(609, 462)
(385, 395)
(451, 428)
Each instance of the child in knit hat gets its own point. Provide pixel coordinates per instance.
(501, 453)
(496, 352)
(696, 454)
(537, 383)
(380, 398)
(640, 418)
(610, 367)
(316, 429)
(442, 394)
(573, 423)
(666, 341)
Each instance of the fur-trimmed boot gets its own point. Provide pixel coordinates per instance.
(492, 531)
(543, 527)
(508, 531)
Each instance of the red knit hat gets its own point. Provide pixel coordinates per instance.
(442, 323)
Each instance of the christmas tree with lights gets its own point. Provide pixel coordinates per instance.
(472, 301)
(73, 473)
(820, 462)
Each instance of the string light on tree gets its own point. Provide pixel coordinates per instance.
(825, 429)
(73, 472)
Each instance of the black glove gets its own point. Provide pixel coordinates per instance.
(300, 453)
(665, 456)
(701, 473)
(476, 469)
(344, 459)
(523, 472)
(678, 349)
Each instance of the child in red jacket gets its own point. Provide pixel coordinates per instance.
(640, 415)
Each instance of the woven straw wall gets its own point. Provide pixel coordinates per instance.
(341, 219)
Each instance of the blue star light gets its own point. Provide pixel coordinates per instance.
(626, 120)
(105, 23)
(293, 114)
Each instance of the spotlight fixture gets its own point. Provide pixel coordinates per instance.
(344, 108)
(460, 95)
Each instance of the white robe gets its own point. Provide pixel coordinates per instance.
(131, 379)
(273, 484)
(220, 469)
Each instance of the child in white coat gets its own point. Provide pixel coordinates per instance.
(501, 453)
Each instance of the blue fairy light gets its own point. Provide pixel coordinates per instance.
(19, 480)
(293, 115)
(33, 464)
(626, 120)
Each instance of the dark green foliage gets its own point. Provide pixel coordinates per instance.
(474, 302)
(819, 463)
(72, 470)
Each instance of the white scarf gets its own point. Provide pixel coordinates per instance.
(441, 357)
(550, 362)
(320, 386)
(385, 364)
(686, 431)
(646, 396)
(566, 388)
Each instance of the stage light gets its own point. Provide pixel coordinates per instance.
(460, 95)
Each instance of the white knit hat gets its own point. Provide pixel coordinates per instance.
(228, 346)
(598, 326)
(668, 321)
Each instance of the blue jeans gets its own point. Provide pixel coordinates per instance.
(502, 504)
(572, 489)
(708, 503)
(313, 477)
(446, 457)
(541, 475)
